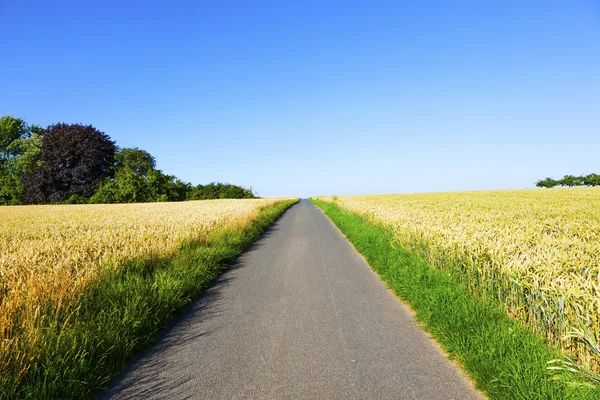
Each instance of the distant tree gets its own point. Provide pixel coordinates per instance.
(136, 179)
(74, 160)
(571, 180)
(547, 183)
(217, 190)
(168, 187)
(20, 146)
(591, 180)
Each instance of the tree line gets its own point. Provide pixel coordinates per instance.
(75, 163)
(570, 181)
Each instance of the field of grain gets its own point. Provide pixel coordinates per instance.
(537, 252)
(50, 254)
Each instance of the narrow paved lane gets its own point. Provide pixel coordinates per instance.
(299, 316)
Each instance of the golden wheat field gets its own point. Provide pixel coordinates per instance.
(49, 254)
(536, 251)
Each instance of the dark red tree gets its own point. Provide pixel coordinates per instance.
(74, 160)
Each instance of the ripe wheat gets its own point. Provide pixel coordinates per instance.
(50, 254)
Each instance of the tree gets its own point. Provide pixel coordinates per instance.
(19, 153)
(571, 180)
(591, 180)
(74, 160)
(29, 151)
(217, 190)
(11, 129)
(547, 183)
(171, 188)
(137, 180)
(138, 161)
(130, 183)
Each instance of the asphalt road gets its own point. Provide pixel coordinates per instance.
(300, 315)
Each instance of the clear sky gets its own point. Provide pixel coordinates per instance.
(319, 97)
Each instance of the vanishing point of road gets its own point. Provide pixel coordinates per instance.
(300, 315)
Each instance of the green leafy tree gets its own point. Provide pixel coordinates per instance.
(130, 182)
(169, 187)
(11, 129)
(20, 148)
(591, 180)
(571, 180)
(547, 183)
(137, 180)
(135, 160)
(29, 150)
(217, 190)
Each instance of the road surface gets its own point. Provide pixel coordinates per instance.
(300, 315)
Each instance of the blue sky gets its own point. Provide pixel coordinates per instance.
(319, 97)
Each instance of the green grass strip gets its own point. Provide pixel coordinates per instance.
(122, 313)
(505, 361)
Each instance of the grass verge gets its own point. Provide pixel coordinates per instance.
(123, 311)
(505, 361)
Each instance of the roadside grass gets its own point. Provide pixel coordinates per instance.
(122, 313)
(505, 361)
